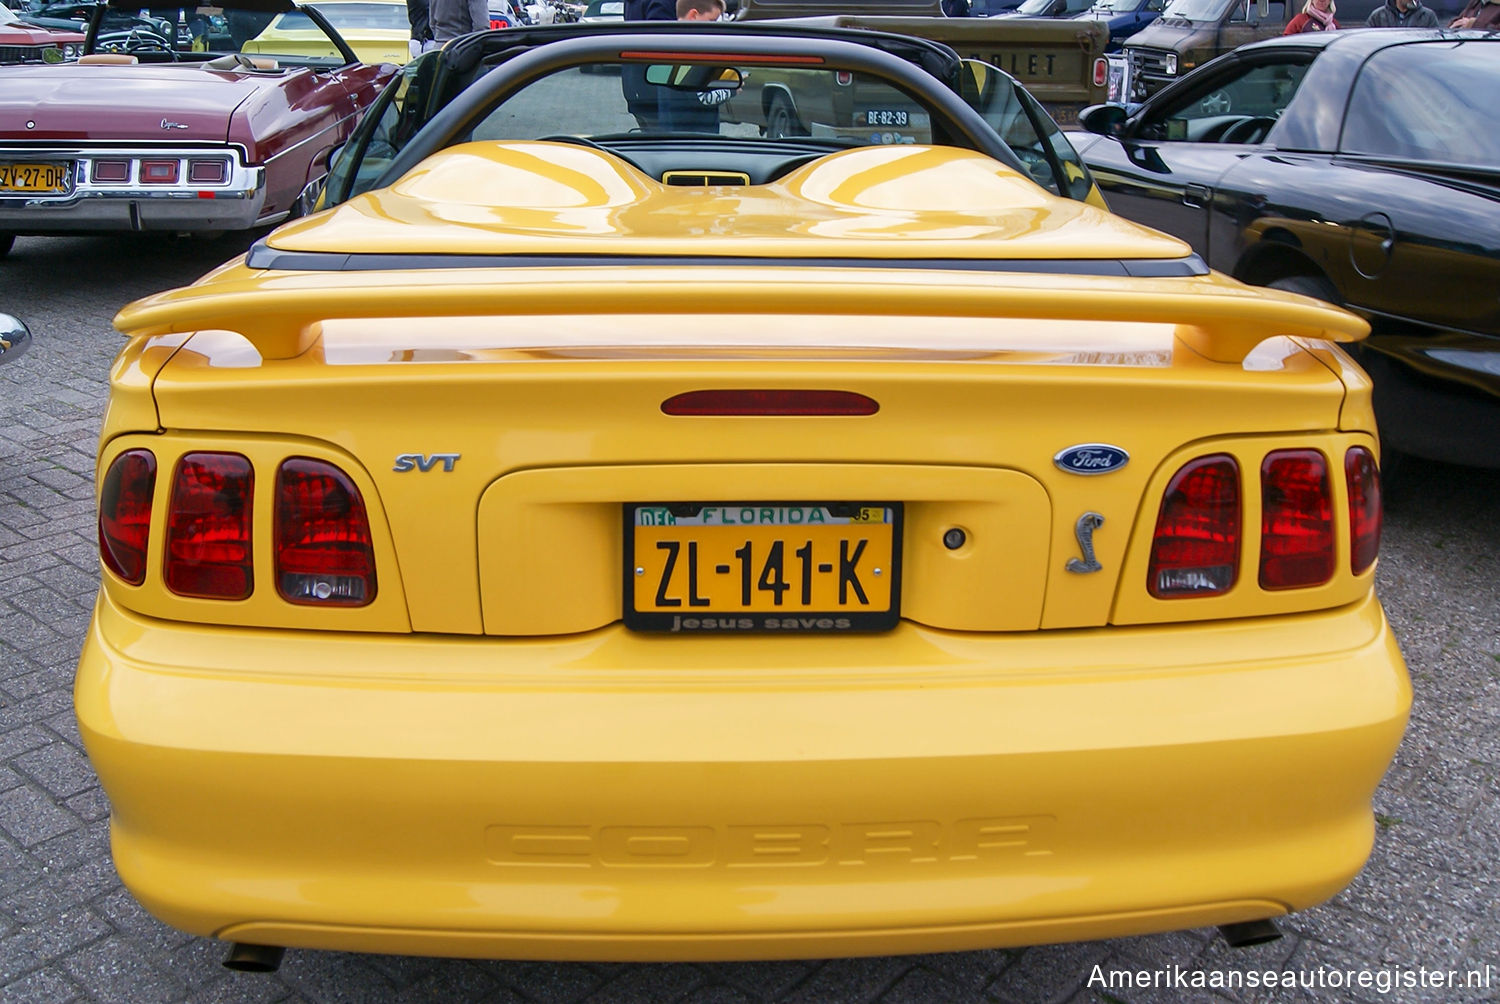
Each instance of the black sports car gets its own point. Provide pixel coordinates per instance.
(1360, 167)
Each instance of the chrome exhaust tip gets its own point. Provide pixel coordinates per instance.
(243, 958)
(1251, 932)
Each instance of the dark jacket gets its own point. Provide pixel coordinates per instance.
(1486, 15)
(421, 25)
(450, 19)
(650, 10)
(640, 97)
(1391, 16)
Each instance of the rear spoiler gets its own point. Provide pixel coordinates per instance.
(281, 313)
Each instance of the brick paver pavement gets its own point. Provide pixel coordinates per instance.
(68, 931)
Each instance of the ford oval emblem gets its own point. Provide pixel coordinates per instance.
(1091, 458)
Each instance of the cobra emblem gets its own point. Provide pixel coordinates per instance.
(1084, 530)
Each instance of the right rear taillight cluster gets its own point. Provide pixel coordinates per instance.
(1195, 550)
(321, 546)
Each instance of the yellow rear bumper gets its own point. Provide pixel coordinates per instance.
(621, 796)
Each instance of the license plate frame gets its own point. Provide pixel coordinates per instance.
(11, 170)
(833, 551)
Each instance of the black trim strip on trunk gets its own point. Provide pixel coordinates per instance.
(262, 256)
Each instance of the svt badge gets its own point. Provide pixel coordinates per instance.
(1091, 458)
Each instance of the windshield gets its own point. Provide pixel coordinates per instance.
(602, 8)
(167, 34)
(1197, 10)
(1043, 8)
(1116, 6)
(602, 100)
(347, 17)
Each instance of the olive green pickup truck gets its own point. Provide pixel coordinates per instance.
(1191, 32)
(1060, 61)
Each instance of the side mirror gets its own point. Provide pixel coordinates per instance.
(1106, 120)
(15, 338)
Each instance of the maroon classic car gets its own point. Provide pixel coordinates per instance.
(24, 43)
(177, 128)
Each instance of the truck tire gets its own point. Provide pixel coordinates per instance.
(6, 240)
(781, 119)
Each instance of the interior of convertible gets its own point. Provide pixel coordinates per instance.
(702, 121)
(217, 39)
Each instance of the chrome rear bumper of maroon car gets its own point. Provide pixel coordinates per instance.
(136, 188)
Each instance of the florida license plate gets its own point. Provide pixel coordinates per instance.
(742, 566)
(33, 177)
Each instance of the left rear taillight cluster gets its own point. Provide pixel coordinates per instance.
(321, 546)
(159, 170)
(1195, 550)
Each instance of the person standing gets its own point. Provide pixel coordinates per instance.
(1317, 15)
(1481, 15)
(650, 10)
(421, 25)
(640, 97)
(693, 111)
(699, 10)
(1401, 14)
(452, 18)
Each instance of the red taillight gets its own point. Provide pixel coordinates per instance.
(1196, 548)
(770, 402)
(207, 172)
(724, 58)
(208, 527)
(1364, 508)
(1101, 72)
(324, 555)
(158, 172)
(125, 514)
(1296, 521)
(110, 172)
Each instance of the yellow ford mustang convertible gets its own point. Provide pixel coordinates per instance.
(750, 504)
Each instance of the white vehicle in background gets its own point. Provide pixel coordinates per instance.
(503, 14)
(603, 10)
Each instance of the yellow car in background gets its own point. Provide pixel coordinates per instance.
(378, 31)
(617, 535)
